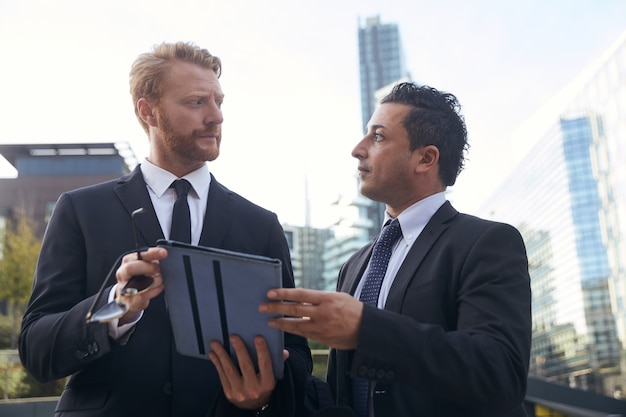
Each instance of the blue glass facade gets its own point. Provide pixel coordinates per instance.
(556, 200)
(567, 196)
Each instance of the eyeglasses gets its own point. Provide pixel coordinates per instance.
(135, 285)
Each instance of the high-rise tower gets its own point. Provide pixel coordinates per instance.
(381, 61)
(360, 219)
(381, 64)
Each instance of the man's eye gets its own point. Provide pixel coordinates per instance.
(378, 137)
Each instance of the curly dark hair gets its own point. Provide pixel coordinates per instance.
(435, 120)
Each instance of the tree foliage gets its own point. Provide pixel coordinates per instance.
(20, 249)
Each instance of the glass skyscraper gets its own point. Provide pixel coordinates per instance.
(568, 198)
(381, 64)
(381, 61)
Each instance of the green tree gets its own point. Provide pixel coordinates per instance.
(20, 248)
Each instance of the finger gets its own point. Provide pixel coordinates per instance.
(220, 372)
(288, 309)
(299, 295)
(150, 254)
(154, 254)
(127, 270)
(231, 371)
(298, 326)
(266, 370)
(246, 366)
(221, 353)
(157, 277)
(226, 369)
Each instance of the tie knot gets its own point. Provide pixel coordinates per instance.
(181, 186)
(391, 232)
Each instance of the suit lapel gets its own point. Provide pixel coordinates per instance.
(356, 268)
(407, 272)
(132, 192)
(221, 206)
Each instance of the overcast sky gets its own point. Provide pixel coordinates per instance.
(290, 74)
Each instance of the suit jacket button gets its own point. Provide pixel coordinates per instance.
(92, 348)
(380, 374)
(362, 371)
(390, 375)
(371, 373)
(167, 388)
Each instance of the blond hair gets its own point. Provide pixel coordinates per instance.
(149, 70)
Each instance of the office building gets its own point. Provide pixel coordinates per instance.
(381, 61)
(44, 171)
(306, 247)
(351, 231)
(381, 66)
(567, 196)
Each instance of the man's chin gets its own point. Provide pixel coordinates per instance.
(370, 193)
(210, 154)
(213, 156)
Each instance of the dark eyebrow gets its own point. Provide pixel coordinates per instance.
(374, 127)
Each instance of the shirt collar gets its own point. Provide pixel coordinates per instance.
(159, 179)
(414, 218)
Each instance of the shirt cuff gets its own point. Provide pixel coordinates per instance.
(115, 331)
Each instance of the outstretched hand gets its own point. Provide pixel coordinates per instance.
(332, 318)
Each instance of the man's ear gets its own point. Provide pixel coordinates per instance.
(428, 157)
(147, 111)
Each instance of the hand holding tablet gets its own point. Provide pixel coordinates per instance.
(212, 293)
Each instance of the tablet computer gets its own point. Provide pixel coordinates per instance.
(211, 293)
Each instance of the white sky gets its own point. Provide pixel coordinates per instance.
(290, 74)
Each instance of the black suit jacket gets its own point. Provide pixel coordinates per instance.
(89, 229)
(454, 337)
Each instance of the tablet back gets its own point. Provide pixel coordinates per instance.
(211, 293)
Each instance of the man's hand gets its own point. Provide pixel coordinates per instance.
(244, 386)
(332, 318)
(148, 266)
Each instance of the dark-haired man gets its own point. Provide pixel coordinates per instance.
(433, 318)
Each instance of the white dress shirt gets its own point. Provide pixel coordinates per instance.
(163, 197)
(412, 222)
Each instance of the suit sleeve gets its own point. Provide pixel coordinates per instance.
(55, 340)
(479, 357)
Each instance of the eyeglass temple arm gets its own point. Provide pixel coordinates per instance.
(102, 287)
(116, 264)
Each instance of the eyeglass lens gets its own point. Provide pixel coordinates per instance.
(117, 308)
(135, 285)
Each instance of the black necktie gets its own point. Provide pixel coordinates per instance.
(181, 220)
(369, 295)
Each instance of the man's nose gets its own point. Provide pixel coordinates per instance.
(359, 151)
(214, 115)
